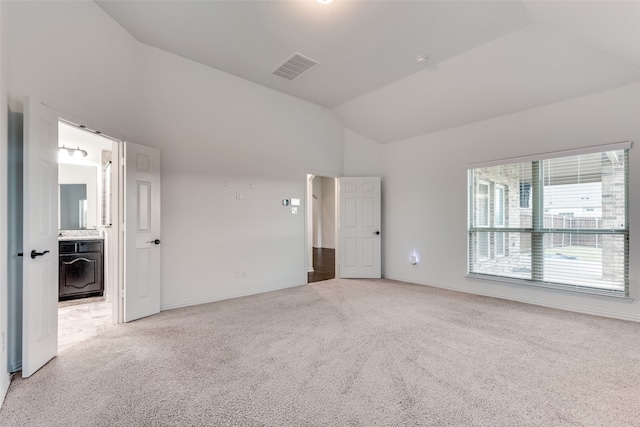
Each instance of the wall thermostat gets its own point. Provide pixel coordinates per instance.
(285, 202)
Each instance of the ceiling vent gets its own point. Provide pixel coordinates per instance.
(295, 66)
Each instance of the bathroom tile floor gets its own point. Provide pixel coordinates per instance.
(79, 320)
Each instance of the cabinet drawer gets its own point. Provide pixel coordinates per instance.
(67, 247)
(89, 246)
(80, 246)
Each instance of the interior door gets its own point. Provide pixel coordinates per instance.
(359, 227)
(142, 231)
(40, 240)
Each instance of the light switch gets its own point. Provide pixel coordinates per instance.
(295, 202)
(294, 211)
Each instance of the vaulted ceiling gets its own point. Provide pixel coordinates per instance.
(485, 58)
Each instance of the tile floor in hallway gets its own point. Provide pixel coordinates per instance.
(79, 320)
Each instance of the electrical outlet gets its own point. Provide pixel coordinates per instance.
(237, 274)
(294, 211)
(238, 195)
(244, 273)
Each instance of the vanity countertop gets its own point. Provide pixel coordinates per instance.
(80, 235)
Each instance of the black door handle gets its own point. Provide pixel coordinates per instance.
(155, 242)
(35, 254)
(377, 233)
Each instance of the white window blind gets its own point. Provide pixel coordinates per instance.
(560, 221)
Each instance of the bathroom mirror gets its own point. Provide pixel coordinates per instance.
(78, 183)
(73, 206)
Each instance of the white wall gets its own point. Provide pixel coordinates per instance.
(219, 136)
(328, 212)
(4, 376)
(362, 156)
(73, 57)
(316, 214)
(324, 212)
(425, 192)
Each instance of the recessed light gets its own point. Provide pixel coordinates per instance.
(324, 1)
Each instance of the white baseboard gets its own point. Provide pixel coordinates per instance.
(4, 386)
(566, 307)
(187, 303)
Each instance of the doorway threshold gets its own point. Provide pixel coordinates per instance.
(81, 319)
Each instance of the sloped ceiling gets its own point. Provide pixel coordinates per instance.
(486, 58)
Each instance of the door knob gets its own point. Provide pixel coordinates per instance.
(155, 242)
(35, 254)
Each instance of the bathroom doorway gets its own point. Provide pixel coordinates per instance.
(87, 242)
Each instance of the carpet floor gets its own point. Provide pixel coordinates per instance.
(344, 353)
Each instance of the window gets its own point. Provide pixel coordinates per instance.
(558, 220)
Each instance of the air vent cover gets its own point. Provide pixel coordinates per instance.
(295, 66)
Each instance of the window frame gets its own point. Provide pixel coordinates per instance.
(537, 231)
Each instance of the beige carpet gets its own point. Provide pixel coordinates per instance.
(344, 353)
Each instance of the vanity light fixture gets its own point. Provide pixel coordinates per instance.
(78, 153)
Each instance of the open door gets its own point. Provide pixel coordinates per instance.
(359, 228)
(142, 231)
(40, 241)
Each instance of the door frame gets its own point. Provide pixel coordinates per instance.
(308, 238)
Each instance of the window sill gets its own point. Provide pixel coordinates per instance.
(565, 289)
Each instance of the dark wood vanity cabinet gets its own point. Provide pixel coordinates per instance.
(81, 269)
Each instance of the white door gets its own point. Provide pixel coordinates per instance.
(359, 227)
(142, 231)
(40, 240)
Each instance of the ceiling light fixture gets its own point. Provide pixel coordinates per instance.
(324, 1)
(78, 153)
(421, 59)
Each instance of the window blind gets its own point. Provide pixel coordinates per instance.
(560, 221)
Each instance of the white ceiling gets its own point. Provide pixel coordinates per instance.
(486, 58)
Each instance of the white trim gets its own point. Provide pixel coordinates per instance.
(230, 295)
(625, 145)
(4, 386)
(559, 287)
(565, 307)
